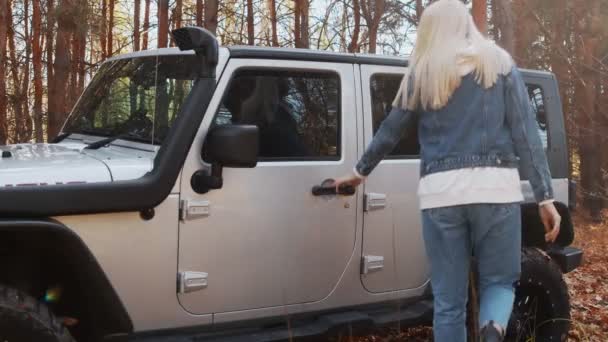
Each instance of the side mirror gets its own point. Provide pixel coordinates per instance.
(233, 146)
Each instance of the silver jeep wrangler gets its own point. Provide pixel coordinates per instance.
(188, 198)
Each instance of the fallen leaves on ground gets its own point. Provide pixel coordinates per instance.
(587, 284)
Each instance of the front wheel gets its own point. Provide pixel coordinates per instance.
(541, 311)
(23, 318)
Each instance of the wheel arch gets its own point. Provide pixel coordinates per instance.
(38, 254)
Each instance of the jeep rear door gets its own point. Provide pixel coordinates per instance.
(393, 253)
(393, 257)
(546, 105)
(264, 240)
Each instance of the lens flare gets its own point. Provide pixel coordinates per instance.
(52, 295)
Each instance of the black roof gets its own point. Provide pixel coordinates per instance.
(314, 56)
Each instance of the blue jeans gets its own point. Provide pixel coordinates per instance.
(491, 232)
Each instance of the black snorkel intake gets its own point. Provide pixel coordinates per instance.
(203, 43)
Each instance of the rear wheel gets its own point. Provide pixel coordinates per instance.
(23, 318)
(541, 311)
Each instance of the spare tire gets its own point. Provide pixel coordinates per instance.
(23, 318)
(541, 311)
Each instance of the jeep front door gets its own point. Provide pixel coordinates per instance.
(263, 240)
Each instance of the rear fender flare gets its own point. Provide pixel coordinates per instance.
(533, 231)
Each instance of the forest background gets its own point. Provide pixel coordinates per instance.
(50, 49)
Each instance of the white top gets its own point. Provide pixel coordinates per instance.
(470, 185)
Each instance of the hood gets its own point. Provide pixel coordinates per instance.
(68, 162)
(125, 160)
(49, 164)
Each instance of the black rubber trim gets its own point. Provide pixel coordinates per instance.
(314, 326)
(111, 315)
(313, 56)
(132, 195)
(533, 231)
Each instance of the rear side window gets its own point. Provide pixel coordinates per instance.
(384, 88)
(298, 113)
(538, 107)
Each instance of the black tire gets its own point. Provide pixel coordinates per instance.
(24, 319)
(541, 311)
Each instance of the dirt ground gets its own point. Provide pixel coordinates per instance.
(588, 287)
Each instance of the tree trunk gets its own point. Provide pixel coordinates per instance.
(250, 23)
(176, 17)
(525, 32)
(199, 13)
(373, 17)
(50, 64)
(273, 22)
(111, 28)
(586, 92)
(74, 62)
(58, 112)
(419, 10)
(17, 99)
(146, 25)
(37, 63)
(480, 15)
(505, 22)
(163, 23)
(26, 128)
(211, 7)
(558, 52)
(82, 42)
(4, 20)
(301, 27)
(354, 43)
(103, 35)
(136, 23)
(179, 9)
(297, 25)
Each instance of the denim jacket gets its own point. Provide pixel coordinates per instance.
(478, 127)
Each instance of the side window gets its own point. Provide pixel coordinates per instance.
(384, 88)
(298, 113)
(538, 106)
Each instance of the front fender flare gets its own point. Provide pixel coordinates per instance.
(100, 298)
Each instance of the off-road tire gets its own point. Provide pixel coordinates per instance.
(24, 319)
(541, 311)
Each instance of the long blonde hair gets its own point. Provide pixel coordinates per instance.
(447, 47)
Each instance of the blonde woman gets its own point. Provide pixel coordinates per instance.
(475, 127)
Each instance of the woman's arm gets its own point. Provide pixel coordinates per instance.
(524, 132)
(530, 150)
(385, 140)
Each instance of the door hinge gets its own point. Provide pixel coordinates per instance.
(374, 201)
(189, 281)
(189, 210)
(371, 263)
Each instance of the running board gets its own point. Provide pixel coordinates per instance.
(356, 322)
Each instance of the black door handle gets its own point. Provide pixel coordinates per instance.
(327, 188)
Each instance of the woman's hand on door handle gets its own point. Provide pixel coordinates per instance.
(348, 180)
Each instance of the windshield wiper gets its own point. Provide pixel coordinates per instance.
(103, 142)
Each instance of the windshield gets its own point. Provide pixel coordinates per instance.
(137, 99)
